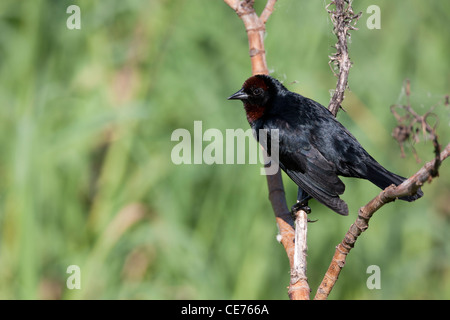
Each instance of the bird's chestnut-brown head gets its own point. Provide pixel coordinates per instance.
(255, 90)
(256, 93)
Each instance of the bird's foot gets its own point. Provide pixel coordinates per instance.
(301, 205)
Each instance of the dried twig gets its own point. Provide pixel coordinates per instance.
(411, 124)
(344, 20)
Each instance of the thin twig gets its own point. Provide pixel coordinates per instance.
(268, 9)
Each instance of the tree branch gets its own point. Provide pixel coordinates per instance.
(408, 187)
(267, 10)
(255, 27)
(299, 287)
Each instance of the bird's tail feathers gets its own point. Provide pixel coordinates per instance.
(383, 178)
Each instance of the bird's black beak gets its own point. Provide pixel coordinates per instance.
(240, 95)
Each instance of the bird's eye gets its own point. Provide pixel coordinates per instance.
(257, 91)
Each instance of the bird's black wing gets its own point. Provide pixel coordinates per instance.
(307, 167)
(342, 149)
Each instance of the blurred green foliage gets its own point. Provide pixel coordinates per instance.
(87, 178)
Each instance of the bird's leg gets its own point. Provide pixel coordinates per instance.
(302, 203)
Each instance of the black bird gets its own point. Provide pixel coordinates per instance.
(314, 148)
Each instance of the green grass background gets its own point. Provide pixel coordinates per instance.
(86, 176)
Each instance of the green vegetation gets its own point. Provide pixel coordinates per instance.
(86, 174)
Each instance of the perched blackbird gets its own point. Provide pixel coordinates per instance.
(314, 148)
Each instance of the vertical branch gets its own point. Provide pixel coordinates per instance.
(255, 28)
(299, 287)
(344, 20)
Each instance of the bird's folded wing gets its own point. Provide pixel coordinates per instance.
(319, 181)
(309, 169)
